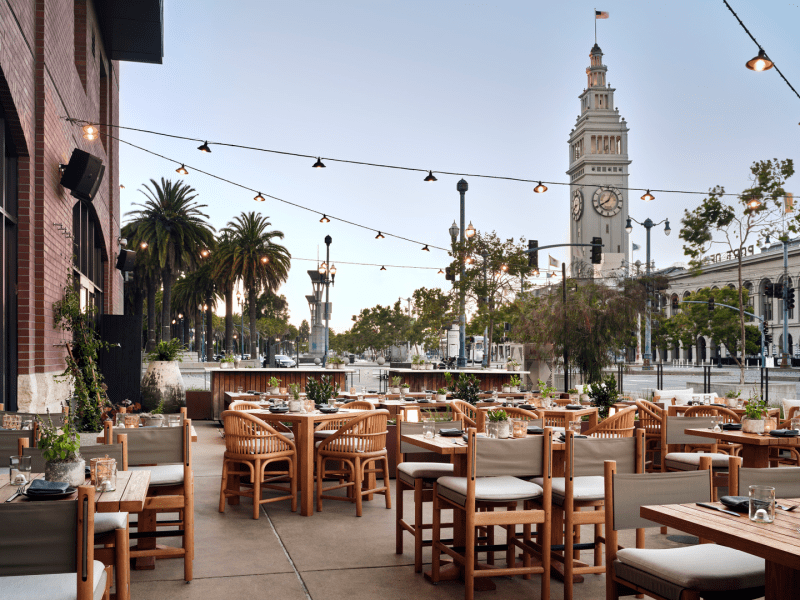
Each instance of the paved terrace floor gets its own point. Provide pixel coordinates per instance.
(329, 556)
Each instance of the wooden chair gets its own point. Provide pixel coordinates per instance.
(419, 478)
(56, 559)
(495, 469)
(167, 453)
(360, 405)
(277, 425)
(12, 442)
(786, 481)
(686, 573)
(677, 458)
(728, 416)
(651, 418)
(253, 443)
(520, 413)
(470, 415)
(785, 455)
(618, 425)
(360, 442)
(580, 496)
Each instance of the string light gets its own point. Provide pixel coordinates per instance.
(122, 187)
(759, 63)
(91, 132)
(379, 236)
(259, 198)
(425, 248)
(324, 219)
(383, 268)
(204, 147)
(318, 164)
(430, 177)
(753, 203)
(540, 189)
(647, 196)
(143, 245)
(182, 170)
(440, 272)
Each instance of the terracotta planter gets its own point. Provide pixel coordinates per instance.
(163, 382)
(72, 473)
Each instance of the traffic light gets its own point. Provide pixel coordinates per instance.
(710, 304)
(777, 290)
(790, 298)
(769, 290)
(597, 250)
(767, 339)
(533, 255)
(448, 274)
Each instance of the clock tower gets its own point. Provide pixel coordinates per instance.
(598, 172)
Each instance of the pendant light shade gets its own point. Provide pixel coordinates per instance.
(540, 189)
(204, 147)
(753, 203)
(324, 219)
(182, 170)
(259, 198)
(628, 226)
(440, 272)
(430, 177)
(318, 164)
(379, 236)
(425, 248)
(383, 268)
(759, 63)
(90, 132)
(648, 197)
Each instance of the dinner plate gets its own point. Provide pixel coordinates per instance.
(329, 411)
(278, 410)
(59, 496)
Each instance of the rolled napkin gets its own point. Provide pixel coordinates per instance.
(784, 433)
(533, 430)
(738, 503)
(574, 407)
(563, 438)
(720, 405)
(527, 407)
(731, 426)
(450, 432)
(40, 486)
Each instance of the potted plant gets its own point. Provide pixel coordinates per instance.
(604, 395)
(546, 391)
(498, 426)
(754, 412)
(404, 389)
(295, 404)
(732, 398)
(428, 365)
(441, 394)
(61, 450)
(274, 385)
(512, 365)
(415, 362)
(514, 383)
(321, 391)
(154, 418)
(574, 396)
(395, 388)
(467, 388)
(226, 362)
(163, 382)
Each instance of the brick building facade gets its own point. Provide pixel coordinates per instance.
(59, 59)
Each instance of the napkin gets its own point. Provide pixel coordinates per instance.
(526, 407)
(450, 432)
(40, 486)
(716, 404)
(563, 438)
(573, 407)
(738, 503)
(784, 433)
(732, 426)
(533, 430)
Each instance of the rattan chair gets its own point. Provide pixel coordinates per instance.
(514, 412)
(495, 472)
(417, 477)
(276, 425)
(360, 405)
(360, 442)
(727, 415)
(651, 419)
(470, 415)
(688, 573)
(618, 425)
(253, 443)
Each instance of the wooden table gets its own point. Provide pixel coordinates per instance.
(116, 430)
(303, 427)
(128, 497)
(679, 409)
(755, 448)
(568, 415)
(778, 542)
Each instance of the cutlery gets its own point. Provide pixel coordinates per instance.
(722, 510)
(19, 492)
(787, 508)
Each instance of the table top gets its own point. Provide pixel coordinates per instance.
(678, 409)
(560, 410)
(316, 416)
(129, 496)
(778, 541)
(449, 445)
(738, 437)
(477, 371)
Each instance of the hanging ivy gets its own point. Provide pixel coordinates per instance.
(82, 362)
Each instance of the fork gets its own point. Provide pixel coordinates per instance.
(19, 492)
(787, 508)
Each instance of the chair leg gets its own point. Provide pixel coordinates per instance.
(388, 492)
(398, 529)
(435, 536)
(469, 562)
(257, 477)
(224, 485)
(293, 482)
(320, 479)
(569, 543)
(188, 527)
(358, 479)
(122, 564)
(418, 483)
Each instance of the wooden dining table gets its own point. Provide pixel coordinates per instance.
(129, 496)
(778, 543)
(755, 447)
(303, 425)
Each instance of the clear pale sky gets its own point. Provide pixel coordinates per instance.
(487, 87)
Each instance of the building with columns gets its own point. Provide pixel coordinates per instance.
(598, 172)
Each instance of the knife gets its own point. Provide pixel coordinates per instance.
(722, 510)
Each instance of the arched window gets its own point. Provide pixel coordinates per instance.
(89, 256)
(8, 266)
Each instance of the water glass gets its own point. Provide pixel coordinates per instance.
(427, 397)
(575, 427)
(361, 397)
(173, 420)
(762, 503)
(20, 471)
(428, 430)
(105, 474)
(239, 390)
(796, 424)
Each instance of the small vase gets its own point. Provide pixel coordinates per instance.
(504, 429)
(506, 389)
(441, 397)
(274, 390)
(492, 428)
(295, 406)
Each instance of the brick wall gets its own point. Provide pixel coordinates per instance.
(48, 71)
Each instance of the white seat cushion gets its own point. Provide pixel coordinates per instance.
(162, 474)
(701, 567)
(690, 461)
(60, 586)
(488, 489)
(591, 487)
(105, 522)
(323, 433)
(409, 471)
(787, 404)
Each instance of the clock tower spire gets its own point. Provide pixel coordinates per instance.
(598, 172)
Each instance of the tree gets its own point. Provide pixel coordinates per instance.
(734, 221)
(175, 230)
(379, 328)
(595, 320)
(304, 330)
(433, 309)
(252, 256)
(191, 292)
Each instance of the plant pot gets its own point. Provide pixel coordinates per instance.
(752, 425)
(274, 390)
(329, 365)
(441, 397)
(515, 389)
(340, 366)
(236, 364)
(152, 421)
(72, 472)
(429, 366)
(504, 429)
(223, 365)
(506, 389)
(163, 382)
(295, 406)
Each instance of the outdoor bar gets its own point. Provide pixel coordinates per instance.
(433, 379)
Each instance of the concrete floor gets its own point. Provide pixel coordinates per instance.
(329, 556)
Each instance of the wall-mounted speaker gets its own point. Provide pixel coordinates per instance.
(83, 175)
(126, 261)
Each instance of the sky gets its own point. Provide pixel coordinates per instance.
(486, 88)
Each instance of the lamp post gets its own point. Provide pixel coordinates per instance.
(181, 329)
(241, 306)
(326, 269)
(485, 361)
(202, 308)
(462, 188)
(648, 225)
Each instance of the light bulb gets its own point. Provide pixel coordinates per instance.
(430, 177)
(259, 198)
(182, 170)
(540, 189)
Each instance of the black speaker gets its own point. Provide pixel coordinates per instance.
(83, 175)
(126, 261)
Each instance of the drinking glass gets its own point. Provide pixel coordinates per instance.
(575, 427)
(696, 399)
(520, 428)
(796, 424)
(739, 403)
(762, 503)
(427, 396)
(105, 470)
(173, 420)
(239, 389)
(20, 470)
(428, 430)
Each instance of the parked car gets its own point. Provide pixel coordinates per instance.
(281, 360)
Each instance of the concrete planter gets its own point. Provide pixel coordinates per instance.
(506, 389)
(70, 472)
(441, 397)
(163, 382)
(152, 421)
(752, 425)
(274, 390)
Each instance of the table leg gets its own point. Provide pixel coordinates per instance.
(304, 440)
(755, 457)
(779, 580)
(146, 523)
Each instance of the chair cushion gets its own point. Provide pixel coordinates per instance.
(162, 474)
(323, 433)
(409, 471)
(702, 567)
(105, 522)
(591, 487)
(488, 489)
(690, 461)
(59, 586)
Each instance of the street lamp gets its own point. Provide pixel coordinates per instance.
(648, 225)
(241, 306)
(462, 188)
(325, 270)
(203, 308)
(182, 333)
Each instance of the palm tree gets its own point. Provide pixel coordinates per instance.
(224, 280)
(146, 280)
(176, 232)
(253, 257)
(190, 293)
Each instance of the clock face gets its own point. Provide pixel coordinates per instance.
(607, 201)
(577, 205)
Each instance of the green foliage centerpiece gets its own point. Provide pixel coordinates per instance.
(604, 395)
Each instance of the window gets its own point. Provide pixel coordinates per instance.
(8, 269)
(89, 264)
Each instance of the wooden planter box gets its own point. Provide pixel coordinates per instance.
(199, 406)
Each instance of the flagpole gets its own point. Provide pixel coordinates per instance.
(595, 25)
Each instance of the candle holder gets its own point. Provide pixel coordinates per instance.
(105, 474)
